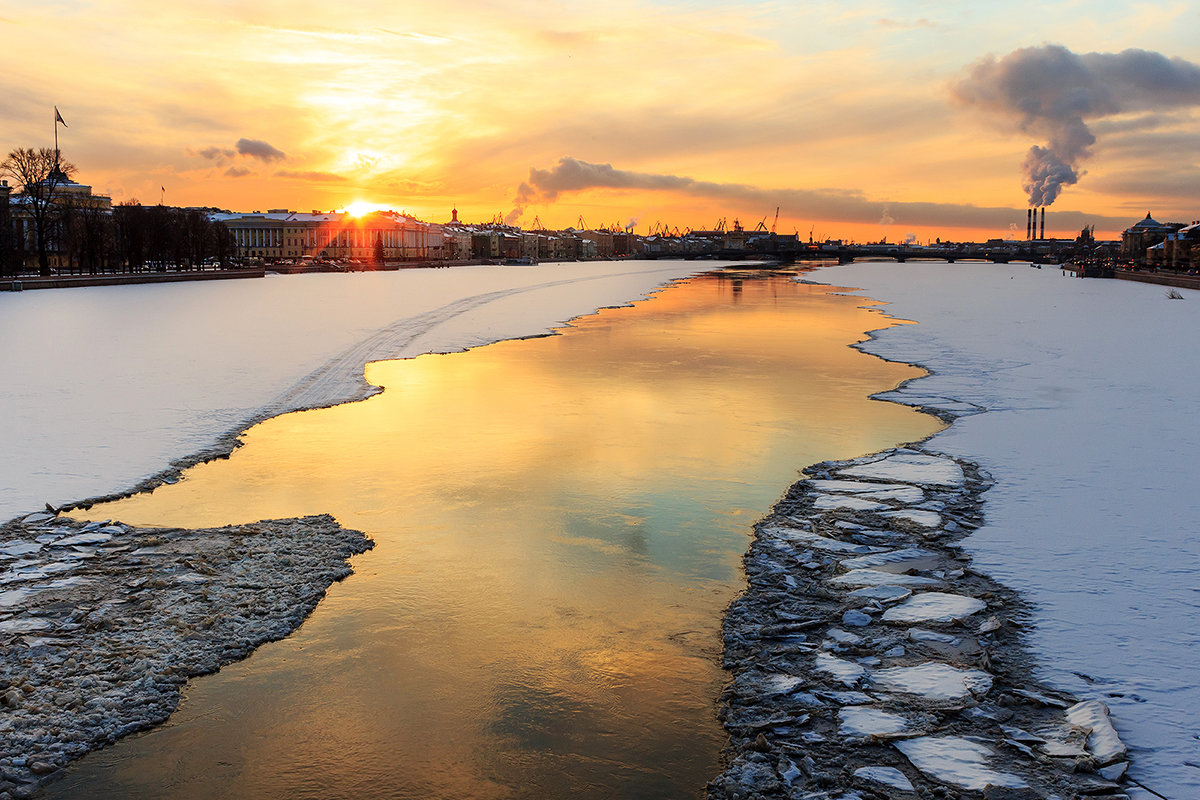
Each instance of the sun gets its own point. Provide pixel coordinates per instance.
(361, 208)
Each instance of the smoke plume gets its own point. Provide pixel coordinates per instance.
(1051, 92)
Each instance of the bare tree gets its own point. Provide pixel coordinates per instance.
(39, 174)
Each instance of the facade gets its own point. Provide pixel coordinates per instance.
(79, 225)
(282, 235)
(1138, 238)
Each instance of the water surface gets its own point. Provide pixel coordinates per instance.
(559, 526)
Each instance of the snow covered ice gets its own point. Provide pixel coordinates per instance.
(1091, 398)
(105, 386)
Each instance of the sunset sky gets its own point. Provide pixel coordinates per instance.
(857, 119)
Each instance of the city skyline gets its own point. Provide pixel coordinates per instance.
(860, 121)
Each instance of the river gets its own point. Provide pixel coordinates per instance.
(559, 523)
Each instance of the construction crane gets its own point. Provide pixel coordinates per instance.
(582, 224)
(537, 223)
(761, 226)
(776, 222)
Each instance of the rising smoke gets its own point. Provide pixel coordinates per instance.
(1051, 92)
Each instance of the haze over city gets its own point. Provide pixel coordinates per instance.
(857, 121)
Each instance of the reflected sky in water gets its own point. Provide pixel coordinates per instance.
(559, 524)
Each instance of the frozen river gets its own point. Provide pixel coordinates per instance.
(559, 524)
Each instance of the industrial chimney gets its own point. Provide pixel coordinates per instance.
(1043, 236)
(1029, 223)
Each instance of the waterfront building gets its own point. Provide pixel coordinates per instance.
(1139, 237)
(283, 235)
(79, 229)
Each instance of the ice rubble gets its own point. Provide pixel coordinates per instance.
(879, 692)
(1090, 435)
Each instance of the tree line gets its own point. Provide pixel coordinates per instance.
(70, 232)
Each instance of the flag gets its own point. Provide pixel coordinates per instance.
(58, 117)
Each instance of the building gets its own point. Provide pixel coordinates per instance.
(1138, 238)
(78, 224)
(283, 235)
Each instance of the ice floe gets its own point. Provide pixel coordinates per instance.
(892, 558)
(846, 672)
(887, 593)
(865, 721)
(933, 681)
(1103, 742)
(934, 607)
(876, 577)
(887, 776)
(908, 467)
(924, 519)
(958, 761)
(832, 502)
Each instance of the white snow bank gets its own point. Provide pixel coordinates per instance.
(1091, 431)
(104, 386)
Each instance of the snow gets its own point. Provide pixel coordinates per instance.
(934, 607)
(1090, 399)
(105, 386)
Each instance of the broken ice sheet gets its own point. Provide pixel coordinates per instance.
(864, 721)
(888, 776)
(894, 559)
(934, 607)
(933, 681)
(955, 760)
(908, 467)
(1103, 742)
(876, 577)
(844, 671)
(925, 519)
(836, 502)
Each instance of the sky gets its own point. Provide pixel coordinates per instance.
(857, 120)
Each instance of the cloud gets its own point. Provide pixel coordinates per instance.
(572, 175)
(215, 153)
(237, 172)
(256, 148)
(1051, 92)
(329, 177)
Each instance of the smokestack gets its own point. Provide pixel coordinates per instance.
(1029, 223)
(1043, 236)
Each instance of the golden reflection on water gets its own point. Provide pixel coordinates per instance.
(559, 526)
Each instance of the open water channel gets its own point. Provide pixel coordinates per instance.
(559, 524)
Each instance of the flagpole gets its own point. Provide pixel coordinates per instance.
(56, 136)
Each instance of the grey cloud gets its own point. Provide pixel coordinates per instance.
(256, 148)
(1051, 92)
(573, 175)
(237, 172)
(215, 153)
